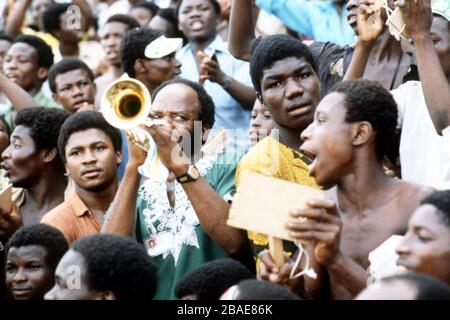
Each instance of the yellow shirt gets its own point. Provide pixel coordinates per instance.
(271, 158)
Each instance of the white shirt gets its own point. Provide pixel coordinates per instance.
(424, 154)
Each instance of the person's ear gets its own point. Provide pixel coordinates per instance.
(119, 157)
(140, 66)
(50, 155)
(362, 132)
(42, 73)
(56, 98)
(205, 133)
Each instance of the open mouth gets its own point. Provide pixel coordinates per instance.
(351, 18)
(196, 25)
(311, 157)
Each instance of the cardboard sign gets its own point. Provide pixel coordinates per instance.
(5, 199)
(262, 204)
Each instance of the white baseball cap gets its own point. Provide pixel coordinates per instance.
(162, 47)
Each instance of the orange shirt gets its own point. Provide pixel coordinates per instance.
(73, 219)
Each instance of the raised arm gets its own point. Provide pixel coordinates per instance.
(19, 98)
(435, 83)
(121, 218)
(241, 28)
(15, 20)
(367, 36)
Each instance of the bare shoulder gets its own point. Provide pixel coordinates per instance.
(414, 191)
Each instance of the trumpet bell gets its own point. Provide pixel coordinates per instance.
(126, 103)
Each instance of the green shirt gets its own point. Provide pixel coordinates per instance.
(174, 236)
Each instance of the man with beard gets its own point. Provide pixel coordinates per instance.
(181, 224)
(90, 148)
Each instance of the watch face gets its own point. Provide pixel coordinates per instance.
(193, 172)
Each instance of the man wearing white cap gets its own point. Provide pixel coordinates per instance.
(148, 56)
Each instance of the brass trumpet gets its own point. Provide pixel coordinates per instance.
(126, 104)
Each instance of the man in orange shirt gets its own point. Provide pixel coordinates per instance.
(90, 149)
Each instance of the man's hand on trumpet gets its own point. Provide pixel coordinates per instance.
(167, 139)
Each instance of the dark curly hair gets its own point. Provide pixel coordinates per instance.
(211, 279)
(427, 287)
(66, 65)
(149, 6)
(51, 16)
(118, 264)
(41, 235)
(214, 3)
(367, 100)
(263, 290)
(269, 50)
(133, 47)
(441, 200)
(207, 107)
(130, 22)
(85, 120)
(44, 51)
(44, 123)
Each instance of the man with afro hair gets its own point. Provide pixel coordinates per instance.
(210, 280)
(110, 267)
(32, 254)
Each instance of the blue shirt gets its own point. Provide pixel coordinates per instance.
(229, 113)
(319, 20)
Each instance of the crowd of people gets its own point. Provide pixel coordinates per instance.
(328, 95)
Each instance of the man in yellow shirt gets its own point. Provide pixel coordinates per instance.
(283, 74)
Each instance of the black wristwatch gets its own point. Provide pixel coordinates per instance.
(192, 174)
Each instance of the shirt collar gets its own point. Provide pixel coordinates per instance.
(218, 44)
(78, 206)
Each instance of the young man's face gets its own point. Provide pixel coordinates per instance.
(426, 246)
(21, 161)
(352, 9)
(291, 90)
(67, 33)
(74, 89)
(441, 38)
(261, 123)
(21, 67)
(328, 141)
(111, 37)
(160, 70)
(141, 15)
(91, 160)
(197, 19)
(28, 276)
(71, 281)
(178, 105)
